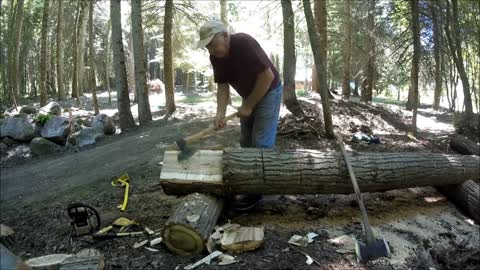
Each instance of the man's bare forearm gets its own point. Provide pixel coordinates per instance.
(223, 92)
(264, 80)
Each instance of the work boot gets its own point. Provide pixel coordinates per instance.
(244, 203)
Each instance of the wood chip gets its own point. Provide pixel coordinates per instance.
(140, 244)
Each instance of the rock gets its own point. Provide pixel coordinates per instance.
(41, 146)
(86, 136)
(18, 128)
(7, 235)
(104, 123)
(28, 110)
(56, 129)
(8, 141)
(52, 108)
(21, 151)
(3, 147)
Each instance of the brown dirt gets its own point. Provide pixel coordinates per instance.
(412, 224)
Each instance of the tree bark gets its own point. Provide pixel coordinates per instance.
(455, 45)
(14, 80)
(107, 63)
(123, 100)
(347, 50)
(93, 81)
(320, 68)
(187, 230)
(367, 93)
(60, 26)
(302, 171)
(144, 113)
(436, 52)
(289, 60)
(463, 145)
(320, 15)
(168, 58)
(43, 55)
(131, 69)
(415, 61)
(75, 55)
(82, 29)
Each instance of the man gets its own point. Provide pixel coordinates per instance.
(239, 61)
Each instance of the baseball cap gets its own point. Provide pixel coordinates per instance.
(208, 31)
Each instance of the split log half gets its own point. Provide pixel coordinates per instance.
(188, 228)
(262, 171)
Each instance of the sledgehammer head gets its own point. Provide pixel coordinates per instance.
(371, 251)
(185, 151)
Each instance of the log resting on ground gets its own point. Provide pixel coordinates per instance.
(466, 195)
(191, 223)
(262, 171)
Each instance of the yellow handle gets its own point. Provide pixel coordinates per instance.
(123, 181)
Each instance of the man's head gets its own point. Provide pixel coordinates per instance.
(214, 36)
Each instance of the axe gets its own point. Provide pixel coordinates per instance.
(183, 143)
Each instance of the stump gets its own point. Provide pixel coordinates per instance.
(188, 228)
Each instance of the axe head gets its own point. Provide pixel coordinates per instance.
(185, 151)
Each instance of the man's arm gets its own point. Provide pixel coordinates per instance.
(264, 80)
(223, 92)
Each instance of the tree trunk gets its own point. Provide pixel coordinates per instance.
(189, 227)
(367, 93)
(131, 69)
(168, 58)
(415, 61)
(123, 100)
(144, 113)
(320, 68)
(320, 15)
(14, 80)
(455, 46)
(82, 29)
(347, 50)
(289, 60)
(436, 52)
(75, 55)
(43, 55)
(60, 23)
(464, 146)
(107, 63)
(266, 171)
(223, 12)
(93, 81)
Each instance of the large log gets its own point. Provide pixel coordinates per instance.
(188, 228)
(466, 195)
(266, 171)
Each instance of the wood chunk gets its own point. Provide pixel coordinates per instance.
(188, 228)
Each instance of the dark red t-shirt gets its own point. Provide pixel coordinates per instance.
(241, 67)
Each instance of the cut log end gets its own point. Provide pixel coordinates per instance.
(182, 239)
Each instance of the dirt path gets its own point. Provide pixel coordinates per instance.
(137, 153)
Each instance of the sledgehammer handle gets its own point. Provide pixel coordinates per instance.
(197, 136)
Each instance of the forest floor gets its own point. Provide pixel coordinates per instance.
(424, 230)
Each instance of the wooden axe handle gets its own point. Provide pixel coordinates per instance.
(197, 136)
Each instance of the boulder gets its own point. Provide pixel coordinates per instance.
(8, 141)
(19, 128)
(41, 146)
(52, 108)
(56, 129)
(103, 123)
(28, 110)
(86, 136)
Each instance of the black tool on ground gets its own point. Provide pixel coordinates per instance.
(84, 219)
(374, 248)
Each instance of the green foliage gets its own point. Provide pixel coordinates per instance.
(42, 118)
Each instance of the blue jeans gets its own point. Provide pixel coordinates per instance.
(260, 129)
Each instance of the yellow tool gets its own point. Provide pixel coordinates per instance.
(123, 181)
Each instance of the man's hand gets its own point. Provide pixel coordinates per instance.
(244, 111)
(219, 121)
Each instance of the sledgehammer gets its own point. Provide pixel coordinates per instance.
(374, 248)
